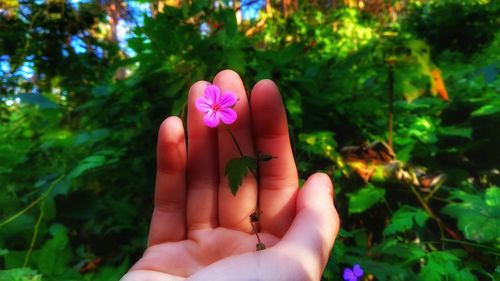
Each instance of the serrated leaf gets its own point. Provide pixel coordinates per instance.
(20, 274)
(404, 219)
(365, 198)
(406, 251)
(237, 169)
(478, 218)
(443, 265)
(492, 197)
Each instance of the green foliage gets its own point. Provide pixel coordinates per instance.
(237, 169)
(54, 255)
(442, 265)
(478, 216)
(405, 219)
(365, 198)
(20, 274)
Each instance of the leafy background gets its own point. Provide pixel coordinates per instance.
(86, 84)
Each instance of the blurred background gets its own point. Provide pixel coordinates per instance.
(397, 100)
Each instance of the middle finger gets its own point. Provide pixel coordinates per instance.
(234, 211)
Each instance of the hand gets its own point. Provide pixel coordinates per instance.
(200, 231)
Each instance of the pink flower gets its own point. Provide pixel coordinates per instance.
(217, 107)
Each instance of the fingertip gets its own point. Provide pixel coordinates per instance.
(197, 89)
(266, 84)
(318, 185)
(171, 131)
(315, 225)
(322, 180)
(171, 148)
(266, 104)
(265, 94)
(318, 193)
(226, 74)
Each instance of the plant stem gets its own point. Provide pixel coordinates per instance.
(35, 233)
(239, 149)
(390, 125)
(260, 245)
(495, 250)
(433, 215)
(235, 141)
(32, 204)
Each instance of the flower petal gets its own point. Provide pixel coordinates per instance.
(203, 104)
(212, 118)
(228, 99)
(357, 270)
(212, 93)
(228, 115)
(349, 275)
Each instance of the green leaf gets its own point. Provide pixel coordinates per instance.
(86, 164)
(478, 218)
(456, 132)
(404, 219)
(492, 107)
(237, 169)
(444, 265)
(365, 198)
(91, 136)
(101, 158)
(410, 252)
(20, 274)
(492, 197)
(19, 229)
(55, 254)
(111, 273)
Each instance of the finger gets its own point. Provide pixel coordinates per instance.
(234, 211)
(203, 170)
(315, 226)
(168, 221)
(278, 176)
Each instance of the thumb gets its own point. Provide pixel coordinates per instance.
(315, 226)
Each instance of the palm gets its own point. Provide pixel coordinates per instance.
(197, 223)
(204, 247)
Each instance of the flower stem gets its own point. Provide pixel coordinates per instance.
(239, 149)
(254, 218)
(235, 141)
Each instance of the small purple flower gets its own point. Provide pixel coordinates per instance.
(217, 107)
(354, 273)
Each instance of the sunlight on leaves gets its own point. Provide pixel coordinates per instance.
(406, 218)
(478, 216)
(365, 198)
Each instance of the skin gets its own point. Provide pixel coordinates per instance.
(200, 231)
